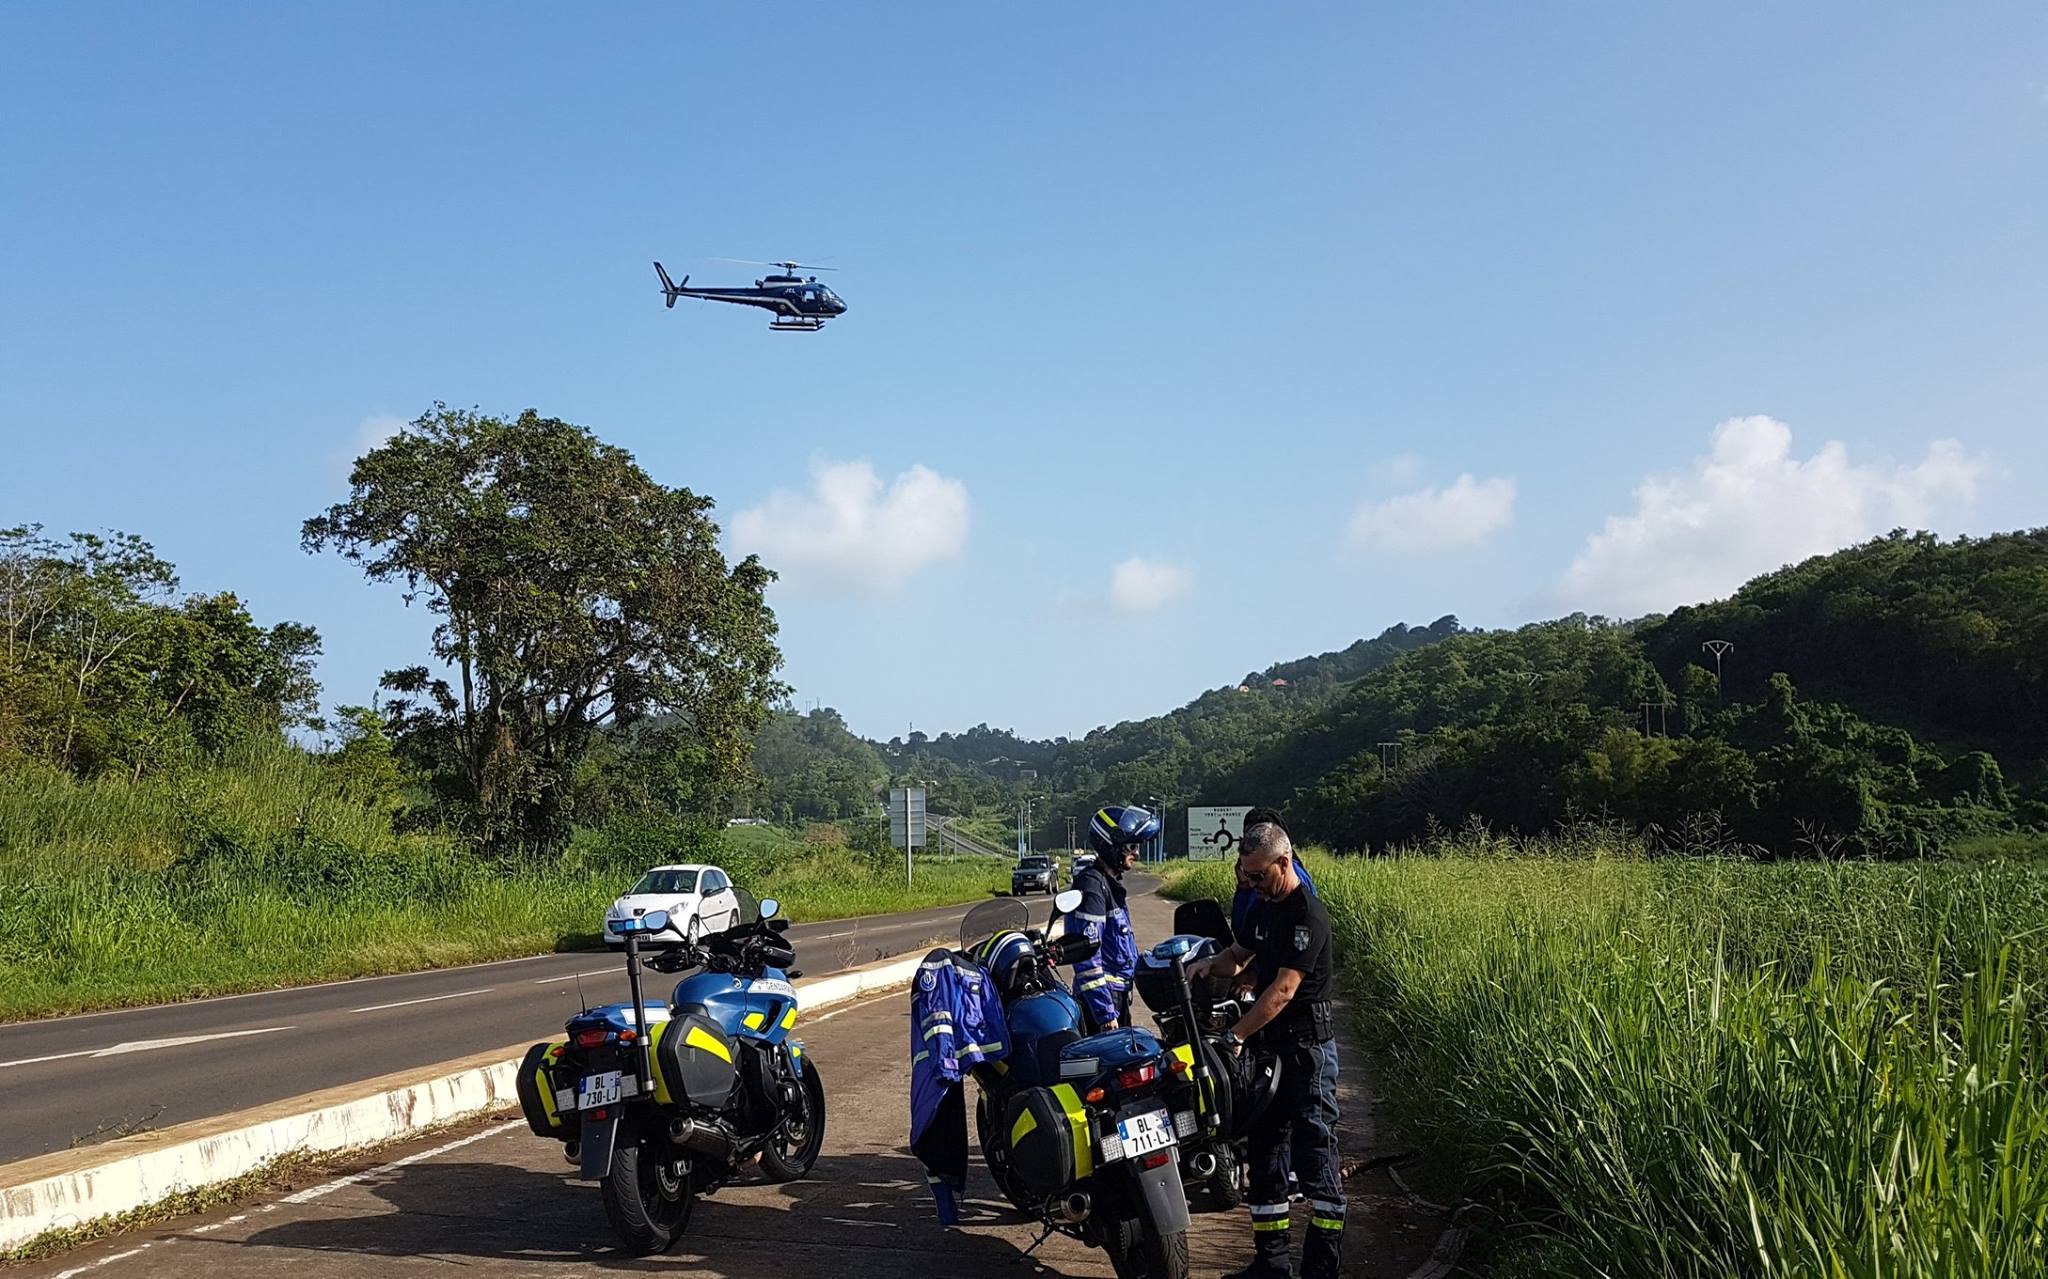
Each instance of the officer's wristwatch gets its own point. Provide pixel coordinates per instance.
(1233, 1039)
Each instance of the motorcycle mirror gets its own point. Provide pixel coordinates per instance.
(1067, 902)
(770, 908)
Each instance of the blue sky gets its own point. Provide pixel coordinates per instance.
(1371, 312)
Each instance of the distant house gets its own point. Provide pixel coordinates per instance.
(1003, 768)
(1279, 683)
(1244, 688)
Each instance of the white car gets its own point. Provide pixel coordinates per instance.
(699, 900)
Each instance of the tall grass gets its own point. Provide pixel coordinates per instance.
(1717, 1069)
(255, 874)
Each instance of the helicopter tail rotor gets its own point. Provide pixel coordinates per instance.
(669, 288)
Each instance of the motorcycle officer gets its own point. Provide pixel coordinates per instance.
(1290, 940)
(1102, 982)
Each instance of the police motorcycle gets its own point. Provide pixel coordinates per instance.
(660, 1108)
(1233, 1090)
(1079, 1132)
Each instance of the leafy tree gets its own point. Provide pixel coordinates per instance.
(574, 593)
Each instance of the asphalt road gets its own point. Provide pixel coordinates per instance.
(497, 1202)
(74, 1080)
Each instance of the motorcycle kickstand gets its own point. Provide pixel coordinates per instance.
(1049, 1230)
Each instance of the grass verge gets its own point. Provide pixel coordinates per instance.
(1713, 1069)
(253, 877)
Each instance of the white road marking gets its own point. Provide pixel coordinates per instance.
(595, 972)
(283, 990)
(144, 1045)
(430, 999)
(95, 1265)
(829, 936)
(328, 1188)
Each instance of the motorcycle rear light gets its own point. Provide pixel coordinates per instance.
(594, 1114)
(1156, 1159)
(1137, 1076)
(1177, 1066)
(591, 1038)
(1093, 1094)
(628, 1036)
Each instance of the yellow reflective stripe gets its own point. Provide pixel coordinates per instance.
(1327, 1223)
(546, 1083)
(920, 1057)
(1026, 1124)
(938, 1030)
(789, 1018)
(654, 1034)
(700, 1038)
(1091, 985)
(980, 1048)
(1077, 1119)
(754, 1021)
(1277, 1223)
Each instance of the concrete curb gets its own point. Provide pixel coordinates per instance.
(67, 1189)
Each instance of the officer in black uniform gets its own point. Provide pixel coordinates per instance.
(1290, 939)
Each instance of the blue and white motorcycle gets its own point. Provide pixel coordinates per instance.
(660, 1104)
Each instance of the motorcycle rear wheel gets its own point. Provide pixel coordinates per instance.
(794, 1145)
(647, 1197)
(1136, 1251)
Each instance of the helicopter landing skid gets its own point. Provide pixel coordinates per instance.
(795, 326)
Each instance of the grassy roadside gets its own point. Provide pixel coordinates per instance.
(251, 878)
(1714, 1069)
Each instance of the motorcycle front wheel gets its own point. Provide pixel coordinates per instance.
(794, 1145)
(647, 1196)
(1136, 1251)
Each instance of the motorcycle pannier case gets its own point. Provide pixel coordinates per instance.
(538, 1082)
(1042, 1140)
(696, 1060)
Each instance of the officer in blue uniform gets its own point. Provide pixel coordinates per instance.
(1102, 981)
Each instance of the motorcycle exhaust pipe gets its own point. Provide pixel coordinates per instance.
(573, 1152)
(1204, 1164)
(685, 1133)
(1074, 1209)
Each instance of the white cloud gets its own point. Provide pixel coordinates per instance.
(1139, 585)
(851, 534)
(1436, 519)
(1748, 507)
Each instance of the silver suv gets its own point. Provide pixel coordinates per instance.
(1034, 873)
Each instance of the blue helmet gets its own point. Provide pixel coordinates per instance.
(1002, 956)
(1118, 827)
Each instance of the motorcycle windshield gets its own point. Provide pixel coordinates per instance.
(1001, 915)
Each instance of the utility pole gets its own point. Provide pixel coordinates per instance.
(1663, 718)
(1385, 766)
(1070, 837)
(1718, 647)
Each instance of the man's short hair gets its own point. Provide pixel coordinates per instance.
(1266, 837)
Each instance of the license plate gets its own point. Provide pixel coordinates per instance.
(597, 1090)
(1145, 1133)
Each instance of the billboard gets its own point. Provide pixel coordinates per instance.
(1213, 832)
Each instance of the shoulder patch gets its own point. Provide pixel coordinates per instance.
(1301, 936)
(927, 979)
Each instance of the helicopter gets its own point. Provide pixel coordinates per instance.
(800, 303)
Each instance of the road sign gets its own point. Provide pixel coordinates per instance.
(1213, 833)
(906, 817)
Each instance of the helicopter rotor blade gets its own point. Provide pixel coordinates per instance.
(787, 266)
